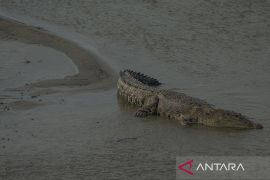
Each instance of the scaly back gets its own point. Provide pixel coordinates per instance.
(140, 78)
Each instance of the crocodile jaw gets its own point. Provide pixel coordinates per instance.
(229, 119)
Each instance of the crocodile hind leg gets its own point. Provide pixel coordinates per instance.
(149, 107)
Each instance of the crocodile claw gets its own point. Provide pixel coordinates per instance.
(141, 114)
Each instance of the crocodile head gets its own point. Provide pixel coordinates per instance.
(230, 119)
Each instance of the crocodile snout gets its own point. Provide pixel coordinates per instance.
(258, 126)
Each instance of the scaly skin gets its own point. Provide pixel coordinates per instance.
(144, 91)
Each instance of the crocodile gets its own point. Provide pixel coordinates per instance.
(146, 93)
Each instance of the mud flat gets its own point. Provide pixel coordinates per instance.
(89, 69)
(35, 61)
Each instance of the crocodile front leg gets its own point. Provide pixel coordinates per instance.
(187, 120)
(149, 107)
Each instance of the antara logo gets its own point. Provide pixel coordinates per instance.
(214, 166)
(189, 164)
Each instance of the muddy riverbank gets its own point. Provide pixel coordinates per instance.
(60, 118)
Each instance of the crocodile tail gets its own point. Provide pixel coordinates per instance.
(147, 80)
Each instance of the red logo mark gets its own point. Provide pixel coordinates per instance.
(189, 164)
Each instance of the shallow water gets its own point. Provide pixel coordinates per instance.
(28, 63)
(217, 51)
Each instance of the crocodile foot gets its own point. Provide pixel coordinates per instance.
(141, 113)
(187, 121)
